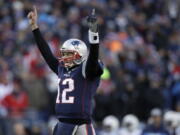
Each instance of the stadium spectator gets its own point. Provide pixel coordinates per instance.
(130, 126)
(110, 126)
(16, 102)
(156, 125)
(6, 87)
(171, 121)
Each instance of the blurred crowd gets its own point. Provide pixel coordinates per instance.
(157, 124)
(139, 92)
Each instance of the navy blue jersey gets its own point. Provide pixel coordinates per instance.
(77, 85)
(75, 94)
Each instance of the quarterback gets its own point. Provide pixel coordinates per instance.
(79, 70)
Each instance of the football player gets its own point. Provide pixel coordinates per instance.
(79, 71)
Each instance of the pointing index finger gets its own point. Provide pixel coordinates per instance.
(35, 10)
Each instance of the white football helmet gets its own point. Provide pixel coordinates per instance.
(172, 119)
(73, 52)
(111, 122)
(130, 121)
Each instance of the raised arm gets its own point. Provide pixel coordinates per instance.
(41, 43)
(93, 67)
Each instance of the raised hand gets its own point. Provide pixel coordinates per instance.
(32, 16)
(92, 21)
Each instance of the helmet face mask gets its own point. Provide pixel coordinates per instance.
(68, 58)
(73, 52)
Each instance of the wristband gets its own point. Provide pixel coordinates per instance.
(93, 37)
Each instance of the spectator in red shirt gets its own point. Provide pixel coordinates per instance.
(16, 102)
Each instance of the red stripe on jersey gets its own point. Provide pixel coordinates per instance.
(87, 129)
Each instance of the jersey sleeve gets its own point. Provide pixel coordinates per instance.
(92, 67)
(45, 51)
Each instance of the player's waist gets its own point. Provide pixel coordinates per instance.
(75, 121)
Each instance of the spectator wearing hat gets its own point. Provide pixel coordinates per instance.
(155, 124)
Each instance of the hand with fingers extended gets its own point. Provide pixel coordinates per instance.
(92, 21)
(32, 16)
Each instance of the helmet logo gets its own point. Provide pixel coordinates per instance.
(75, 44)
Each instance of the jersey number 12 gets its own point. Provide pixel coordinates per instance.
(62, 97)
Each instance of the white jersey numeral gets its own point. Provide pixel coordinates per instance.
(69, 99)
(64, 98)
(58, 94)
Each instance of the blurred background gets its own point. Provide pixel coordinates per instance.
(139, 92)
